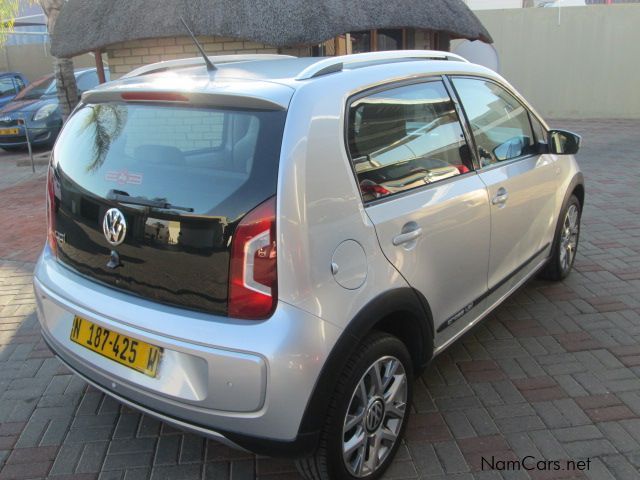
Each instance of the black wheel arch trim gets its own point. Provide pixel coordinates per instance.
(402, 300)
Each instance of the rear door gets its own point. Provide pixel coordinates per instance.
(429, 207)
(521, 182)
(181, 176)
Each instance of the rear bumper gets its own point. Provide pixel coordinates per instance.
(245, 383)
(171, 421)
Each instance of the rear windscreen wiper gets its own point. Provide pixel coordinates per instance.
(160, 203)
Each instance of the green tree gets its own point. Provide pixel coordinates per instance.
(8, 12)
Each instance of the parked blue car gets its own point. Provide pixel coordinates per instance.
(11, 84)
(37, 106)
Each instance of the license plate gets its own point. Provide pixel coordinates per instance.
(9, 131)
(125, 350)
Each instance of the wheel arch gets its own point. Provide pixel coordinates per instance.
(578, 191)
(402, 312)
(576, 187)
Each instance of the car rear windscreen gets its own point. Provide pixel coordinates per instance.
(182, 176)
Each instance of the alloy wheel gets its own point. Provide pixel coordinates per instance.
(375, 416)
(569, 237)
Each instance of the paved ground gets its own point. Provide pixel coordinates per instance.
(554, 373)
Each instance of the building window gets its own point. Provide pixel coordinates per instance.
(381, 40)
(361, 42)
(390, 39)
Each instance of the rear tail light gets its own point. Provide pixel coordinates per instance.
(253, 274)
(371, 188)
(51, 211)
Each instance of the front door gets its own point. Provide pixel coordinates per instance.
(430, 209)
(521, 182)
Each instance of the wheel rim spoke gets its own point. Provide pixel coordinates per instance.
(396, 387)
(356, 442)
(362, 392)
(377, 379)
(392, 368)
(397, 410)
(353, 420)
(388, 435)
(373, 457)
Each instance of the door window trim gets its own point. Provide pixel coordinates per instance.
(391, 86)
(513, 94)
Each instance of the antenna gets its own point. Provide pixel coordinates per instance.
(210, 66)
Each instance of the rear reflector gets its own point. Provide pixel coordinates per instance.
(253, 274)
(154, 97)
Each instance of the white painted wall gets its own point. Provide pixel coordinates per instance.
(578, 62)
(34, 61)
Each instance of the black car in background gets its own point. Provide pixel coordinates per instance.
(38, 108)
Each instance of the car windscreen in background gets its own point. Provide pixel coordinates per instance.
(189, 173)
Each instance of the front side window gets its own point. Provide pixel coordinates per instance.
(500, 124)
(405, 138)
(42, 86)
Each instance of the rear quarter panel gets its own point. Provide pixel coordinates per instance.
(319, 207)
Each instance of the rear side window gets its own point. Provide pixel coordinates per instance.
(7, 87)
(405, 138)
(500, 124)
(205, 161)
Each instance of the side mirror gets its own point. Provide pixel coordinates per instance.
(512, 148)
(562, 142)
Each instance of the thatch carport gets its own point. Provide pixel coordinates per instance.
(96, 25)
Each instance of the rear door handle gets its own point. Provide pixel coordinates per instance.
(407, 237)
(501, 197)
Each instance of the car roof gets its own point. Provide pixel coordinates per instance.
(274, 78)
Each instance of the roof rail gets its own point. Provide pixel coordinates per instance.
(197, 61)
(336, 64)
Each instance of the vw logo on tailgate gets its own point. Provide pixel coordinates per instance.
(114, 227)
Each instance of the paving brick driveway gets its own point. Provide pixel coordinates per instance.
(554, 373)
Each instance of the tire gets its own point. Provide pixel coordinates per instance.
(383, 417)
(565, 244)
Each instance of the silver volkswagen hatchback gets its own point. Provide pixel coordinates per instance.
(267, 252)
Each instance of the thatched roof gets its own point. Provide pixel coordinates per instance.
(86, 25)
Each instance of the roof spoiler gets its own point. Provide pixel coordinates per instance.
(217, 100)
(199, 61)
